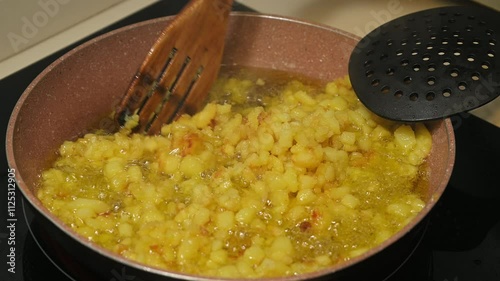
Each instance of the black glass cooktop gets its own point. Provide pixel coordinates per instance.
(459, 240)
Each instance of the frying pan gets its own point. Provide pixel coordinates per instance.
(76, 93)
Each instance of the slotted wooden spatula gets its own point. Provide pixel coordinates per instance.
(180, 68)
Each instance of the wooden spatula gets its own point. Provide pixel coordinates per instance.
(180, 68)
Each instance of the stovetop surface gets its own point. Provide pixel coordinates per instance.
(461, 241)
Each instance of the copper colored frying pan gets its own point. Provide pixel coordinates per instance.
(76, 93)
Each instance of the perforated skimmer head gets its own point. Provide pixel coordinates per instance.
(429, 64)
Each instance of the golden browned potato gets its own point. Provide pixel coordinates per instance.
(269, 179)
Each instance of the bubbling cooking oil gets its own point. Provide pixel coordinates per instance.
(276, 176)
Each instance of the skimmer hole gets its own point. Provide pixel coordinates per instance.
(475, 76)
(430, 96)
(462, 86)
(431, 81)
(413, 96)
(446, 93)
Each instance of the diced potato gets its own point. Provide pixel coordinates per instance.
(307, 156)
(338, 192)
(254, 255)
(297, 213)
(201, 217)
(380, 132)
(125, 230)
(204, 117)
(134, 173)
(225, 220)
(219, 256)
(188, 250)
(350, 201)
(191, 166)
(169, 163)
(254, 185)
(399, 209)
(282, 250)
(303, 98)
(246, 215)
(348, 138)
(94, 206)
(405, 137)
(266, 141)
(114, 166)
(305, 196)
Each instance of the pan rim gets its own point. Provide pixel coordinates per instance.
(33, 200)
